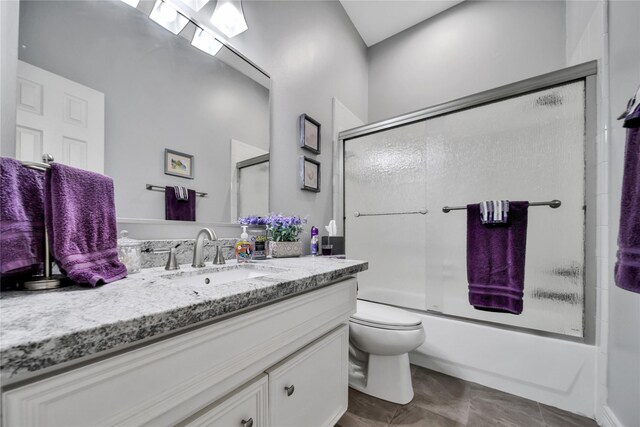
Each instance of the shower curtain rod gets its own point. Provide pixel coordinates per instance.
(554, 204)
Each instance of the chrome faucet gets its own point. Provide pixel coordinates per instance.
(198, 248)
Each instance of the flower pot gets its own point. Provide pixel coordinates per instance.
(285, 249)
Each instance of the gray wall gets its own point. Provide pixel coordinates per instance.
(159, 93)
(9, 11)
(624, 306)
(474, 46)
(313, 53)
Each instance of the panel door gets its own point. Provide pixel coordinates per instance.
(59, 117)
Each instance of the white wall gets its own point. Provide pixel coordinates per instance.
(472, 47)
(313, 53)
(624, 306)
(9, 12)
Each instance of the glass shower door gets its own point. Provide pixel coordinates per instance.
(528, 147)
(385, 176)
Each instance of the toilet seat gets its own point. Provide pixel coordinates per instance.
(385, 317)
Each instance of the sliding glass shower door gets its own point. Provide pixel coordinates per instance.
(528, 147)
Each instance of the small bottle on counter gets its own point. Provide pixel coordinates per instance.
(129, 252)
(314, 241)
(244, 249)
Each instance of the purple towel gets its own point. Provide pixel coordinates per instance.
(21, 218)
(495, 260)
(179, 210)
(627, 270)
(81, 221)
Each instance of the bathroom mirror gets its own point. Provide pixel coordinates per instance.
(157, 92)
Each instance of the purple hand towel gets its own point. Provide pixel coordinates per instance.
(627, 270)
(21, 218)
(179, 210)
(81, 221)
(496, 260)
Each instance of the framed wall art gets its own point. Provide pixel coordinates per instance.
(178, 164)
(309, 133)
(309, 174)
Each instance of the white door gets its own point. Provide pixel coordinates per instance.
(60, 117)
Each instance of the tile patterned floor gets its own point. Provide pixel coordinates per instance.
(444, 401)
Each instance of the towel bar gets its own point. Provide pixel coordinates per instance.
(554, 204)
(47, 281)
(421, 211)
(161, 189)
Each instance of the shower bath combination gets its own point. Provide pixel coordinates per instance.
(527, 141)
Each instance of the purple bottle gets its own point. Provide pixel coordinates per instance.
(314, 241)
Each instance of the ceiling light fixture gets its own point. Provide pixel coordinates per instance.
(195, 4)
(229, 18)
(165, 15)
(205, 42)
(132, 3)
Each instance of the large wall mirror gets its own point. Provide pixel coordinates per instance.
(103, 87)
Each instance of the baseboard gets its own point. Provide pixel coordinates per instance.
(608, 418)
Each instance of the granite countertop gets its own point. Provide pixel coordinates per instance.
(42, 329)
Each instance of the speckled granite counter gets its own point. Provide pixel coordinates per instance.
(40, 330)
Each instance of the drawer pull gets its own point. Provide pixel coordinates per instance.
(290, 389)
(247, 423)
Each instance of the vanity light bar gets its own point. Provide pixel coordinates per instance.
(132, 3)
(167, 16)
(228, 17)
(205, 42)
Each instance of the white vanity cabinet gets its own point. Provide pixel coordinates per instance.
(222, 374)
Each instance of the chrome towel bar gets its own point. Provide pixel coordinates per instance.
(161, 189)
(421, 212)
(554, 204)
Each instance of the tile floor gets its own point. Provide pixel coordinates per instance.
(443, 401)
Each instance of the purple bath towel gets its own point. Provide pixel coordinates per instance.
(81, 221)
(179, 210)
(627, 270)
(496, 259)
(21, 218)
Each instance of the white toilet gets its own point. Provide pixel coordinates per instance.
(380, 339)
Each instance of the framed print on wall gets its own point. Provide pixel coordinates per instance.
(309, 133)
(309, 174)
(178, 164)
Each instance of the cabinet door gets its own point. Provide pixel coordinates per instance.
(245, 407)
(310, 387)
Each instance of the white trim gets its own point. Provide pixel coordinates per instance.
(608, 418)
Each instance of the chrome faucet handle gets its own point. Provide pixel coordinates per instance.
(172, 262)
(219, 258)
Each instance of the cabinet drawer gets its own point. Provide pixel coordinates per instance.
(245, 407)
(309, 388)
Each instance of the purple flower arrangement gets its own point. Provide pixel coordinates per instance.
(281, 228)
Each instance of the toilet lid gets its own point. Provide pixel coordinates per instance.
(384, 315)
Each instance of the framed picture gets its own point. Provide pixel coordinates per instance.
(178, 164)
(309, 134)
(309, 174)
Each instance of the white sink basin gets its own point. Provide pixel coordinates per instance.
(219, 276)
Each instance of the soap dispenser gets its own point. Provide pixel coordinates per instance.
(244, 250)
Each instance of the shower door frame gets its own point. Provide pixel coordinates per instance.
(586, 72)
